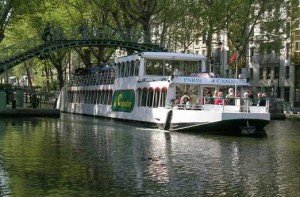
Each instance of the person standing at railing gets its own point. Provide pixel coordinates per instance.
(263, 100)
(219, 100)
(246, 101)
(184, 99)
(209, 98)
(230, 96)
(259, 99)
(251, 97)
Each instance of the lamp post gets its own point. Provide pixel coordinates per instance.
(219, 66)
(278, 85)
(272, 85)
(237, 44)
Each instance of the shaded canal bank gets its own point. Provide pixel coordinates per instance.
(30, 112)
(283, 116)
(89, 156)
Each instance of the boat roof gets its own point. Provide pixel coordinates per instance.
(163, 56)
(172, 56)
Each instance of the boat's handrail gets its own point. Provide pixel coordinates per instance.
(94, 78)
(245, 105)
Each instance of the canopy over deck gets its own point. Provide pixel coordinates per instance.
(209, 81)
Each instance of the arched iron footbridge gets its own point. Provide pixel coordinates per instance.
(59, 39)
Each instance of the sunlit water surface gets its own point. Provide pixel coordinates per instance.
(85, 156)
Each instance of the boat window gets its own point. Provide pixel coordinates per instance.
(78, 94)
(72, 97)
(156, 97)
(163, 97)
(83, 96)
(126, 69)
(190, 67)
(87, 100)
(94, 96)
(139, 96)
(118, 70)
(136, 67)
(108, 97)
(100, 97)
(154, 67)
(122, 67)
(144, 97)
(131, 73)
(91, 96)
(171, 66)
(150, 97)
(105, 97)
(87, 97)
(183, 68)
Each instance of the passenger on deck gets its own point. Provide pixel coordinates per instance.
(184, 99)
(259, 97)
(219, 100)
(246, 97)
(230, 96)
(262, 101)
(215, 93)
(209, 98)
(251, 97)
(177, 101)
(188, 103)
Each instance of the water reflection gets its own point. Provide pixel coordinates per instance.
(103, 158)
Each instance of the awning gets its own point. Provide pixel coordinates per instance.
(209, 81)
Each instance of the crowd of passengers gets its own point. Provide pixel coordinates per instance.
(218, 98)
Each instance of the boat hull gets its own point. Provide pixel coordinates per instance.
(228, 127)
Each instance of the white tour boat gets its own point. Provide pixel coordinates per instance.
(148, 89)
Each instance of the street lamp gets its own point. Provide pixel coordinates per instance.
(272, 88)
(278, 85)
(237, 44)
(219, 66)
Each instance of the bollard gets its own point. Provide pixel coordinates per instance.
(14, 104)
(34, 101)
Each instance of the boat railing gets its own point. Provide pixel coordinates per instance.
(92, 79)
(244, 105)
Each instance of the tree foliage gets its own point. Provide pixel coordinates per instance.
(173, 23)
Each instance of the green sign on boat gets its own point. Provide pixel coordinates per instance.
(123, 100)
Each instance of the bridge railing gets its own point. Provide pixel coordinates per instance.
(58, 34)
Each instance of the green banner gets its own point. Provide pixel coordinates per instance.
(123, 100)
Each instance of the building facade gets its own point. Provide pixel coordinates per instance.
(275, 72)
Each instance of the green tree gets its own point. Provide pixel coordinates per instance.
(267, 14)
(5, 14)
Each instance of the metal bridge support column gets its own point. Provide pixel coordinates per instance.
(20, 98)
(2, 101)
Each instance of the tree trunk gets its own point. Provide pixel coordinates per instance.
(28, 75)
(208, 45)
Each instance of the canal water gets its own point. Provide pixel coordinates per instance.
(85, 156)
